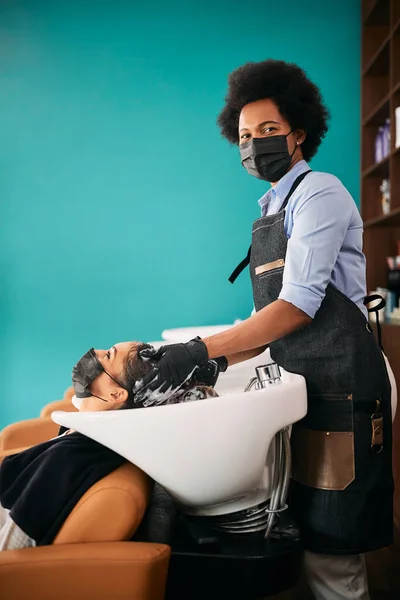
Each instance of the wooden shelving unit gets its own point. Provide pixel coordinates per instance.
(380, 79)
(380, 85)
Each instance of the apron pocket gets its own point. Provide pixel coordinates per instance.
(323, 443)
(323, 459)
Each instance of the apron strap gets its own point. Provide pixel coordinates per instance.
(295, 185)
(246, 261)
(241, 267)
(376, 310)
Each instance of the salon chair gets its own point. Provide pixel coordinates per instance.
(64, 404)
(69, 392)
(23, 434)
(91, 556)
(29, 432)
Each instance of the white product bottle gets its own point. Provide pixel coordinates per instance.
(386, 138)
(397, 114)
(379, 145)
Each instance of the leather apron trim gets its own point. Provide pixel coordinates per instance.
(276, 264)
(330, 458)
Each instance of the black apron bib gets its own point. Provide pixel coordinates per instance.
(342, 486)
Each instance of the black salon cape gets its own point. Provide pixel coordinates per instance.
(41, 485)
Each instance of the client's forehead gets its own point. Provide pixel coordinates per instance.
(126, 346)
(113, 359)
(120, 351)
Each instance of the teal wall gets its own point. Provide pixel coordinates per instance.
(122, 210)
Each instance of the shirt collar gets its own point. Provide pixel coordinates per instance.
(283, 186)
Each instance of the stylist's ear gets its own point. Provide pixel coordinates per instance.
(300, 136)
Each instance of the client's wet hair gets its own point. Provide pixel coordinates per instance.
(136, 368)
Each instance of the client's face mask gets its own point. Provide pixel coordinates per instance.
(83, 374)
(267, 158)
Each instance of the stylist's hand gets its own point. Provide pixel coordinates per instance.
(175, 364)
(208, 374)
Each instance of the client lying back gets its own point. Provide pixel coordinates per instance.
(108, 379)
(40, 486)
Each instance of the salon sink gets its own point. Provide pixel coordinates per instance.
(213, 456)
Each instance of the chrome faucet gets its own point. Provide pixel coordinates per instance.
(269, 374)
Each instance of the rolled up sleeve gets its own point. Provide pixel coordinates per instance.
(321, 218)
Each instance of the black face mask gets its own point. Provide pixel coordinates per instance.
(85, 372)
(267, 158)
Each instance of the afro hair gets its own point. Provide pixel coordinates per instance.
(298, 99)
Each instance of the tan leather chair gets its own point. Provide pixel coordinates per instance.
(27, 433)
(64, 404)
(69, 392)
(90, 557)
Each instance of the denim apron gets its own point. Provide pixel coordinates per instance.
(341, 492)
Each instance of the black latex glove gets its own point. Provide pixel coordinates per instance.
(209, 373)
(175, 364)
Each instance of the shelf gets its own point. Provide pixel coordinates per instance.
(378, 115)
(390, 220)
(380, 93)
(392, 328)
(378, 13)
(380, 169)
(380, 60)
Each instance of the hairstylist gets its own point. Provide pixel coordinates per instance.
(308, 274)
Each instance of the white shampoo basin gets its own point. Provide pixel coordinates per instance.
(210, 455)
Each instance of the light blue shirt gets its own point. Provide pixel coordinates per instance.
(324, 230)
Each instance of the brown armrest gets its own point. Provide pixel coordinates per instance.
(64, 404)
(105, 571)
(69, 392)
(111, 510)
(27, 433)
(9, 452)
